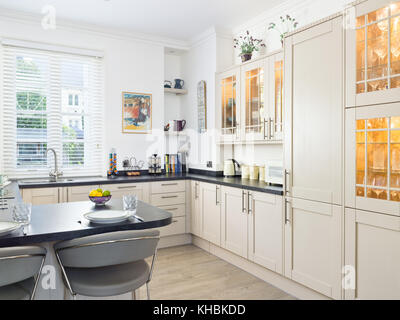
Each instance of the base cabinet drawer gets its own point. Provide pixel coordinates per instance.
(168, 186)
(177, 210)
(80, 193)
(178, 226)
(38, 196)
(167, 199)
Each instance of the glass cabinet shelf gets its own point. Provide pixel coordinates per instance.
(378, 50)
(228, 90)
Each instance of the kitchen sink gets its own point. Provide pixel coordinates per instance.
(45, 180)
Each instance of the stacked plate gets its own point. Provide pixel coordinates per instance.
(107, 216)
(7, 227)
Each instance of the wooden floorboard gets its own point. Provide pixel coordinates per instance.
(190, 273)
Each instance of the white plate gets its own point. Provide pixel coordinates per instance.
(107, 216)
(8, 226)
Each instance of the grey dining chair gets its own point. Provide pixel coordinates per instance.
(20, 270)
(108, 264)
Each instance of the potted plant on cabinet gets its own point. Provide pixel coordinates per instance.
(247, 45)
(287, 25)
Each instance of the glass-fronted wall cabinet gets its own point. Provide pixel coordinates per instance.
(276, 96)
(373, 53)
(253, 100)
(250, 100)
(228, 95)
(373, 158)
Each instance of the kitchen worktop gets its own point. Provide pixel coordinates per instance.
(236, 182)
(64, 221)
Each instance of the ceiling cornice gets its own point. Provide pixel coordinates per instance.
(114, 33)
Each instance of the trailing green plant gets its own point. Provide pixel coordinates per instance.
(247, 44)
(287, 24)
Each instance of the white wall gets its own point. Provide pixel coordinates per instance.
(130, 65)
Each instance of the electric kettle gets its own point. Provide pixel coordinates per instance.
(231, 168)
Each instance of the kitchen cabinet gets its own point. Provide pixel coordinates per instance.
(228, 97)
(210, 211)
(196, 217)
(119, 190)
(251, 101)
(373, 158)
(253, 104)
(266, 230)
(80, 193)
(313, 255)
(372, 256)
(373, 53)
(38, 196)
(234, 233)
(314, 112)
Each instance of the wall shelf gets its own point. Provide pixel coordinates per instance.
(175, 91)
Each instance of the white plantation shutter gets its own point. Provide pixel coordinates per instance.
(51, 100)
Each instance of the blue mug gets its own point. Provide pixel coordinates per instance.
(179, 83)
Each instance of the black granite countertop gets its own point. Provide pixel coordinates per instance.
(236, 182)
(65, 221)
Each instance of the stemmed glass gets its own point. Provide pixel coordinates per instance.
(130, 205)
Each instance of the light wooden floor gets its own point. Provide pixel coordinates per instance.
(190, 273)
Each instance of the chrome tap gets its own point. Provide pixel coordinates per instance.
(54, 174)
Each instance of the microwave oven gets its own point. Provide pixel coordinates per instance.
(274, 172)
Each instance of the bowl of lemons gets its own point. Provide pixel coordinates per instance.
(99, 197)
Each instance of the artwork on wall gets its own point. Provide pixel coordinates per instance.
(136, 112)
(202, 106)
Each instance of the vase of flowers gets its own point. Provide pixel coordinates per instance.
(247, 45)
(287, 24)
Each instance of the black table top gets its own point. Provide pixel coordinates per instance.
(65, 221)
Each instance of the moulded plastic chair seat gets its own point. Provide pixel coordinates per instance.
(107, 264)
(20, 269)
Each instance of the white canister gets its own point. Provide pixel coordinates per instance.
(245, 171)
(262, 174)
(254, 172)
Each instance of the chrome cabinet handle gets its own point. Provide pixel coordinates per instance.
(169, 184)
(127, 187)
(286, 211)
(168, 197)
(216, 195)
(249, 210)
(196, 195)
(271, 128)
(265, 137)
(171, 209)
(287, 174)
(243, 203)
(174, 221)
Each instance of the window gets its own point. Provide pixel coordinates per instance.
(51, 100)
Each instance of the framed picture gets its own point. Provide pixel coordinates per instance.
(136, 112)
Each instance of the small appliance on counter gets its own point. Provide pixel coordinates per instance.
(274, 172)
(231, 168)
(155, 165)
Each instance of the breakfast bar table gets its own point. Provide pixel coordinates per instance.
(65, 221)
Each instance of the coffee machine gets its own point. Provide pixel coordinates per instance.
(155, 164)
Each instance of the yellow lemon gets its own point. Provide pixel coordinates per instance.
(93, 193)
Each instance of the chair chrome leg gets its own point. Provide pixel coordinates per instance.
(74, 297)
(148, 290)
(134, 295)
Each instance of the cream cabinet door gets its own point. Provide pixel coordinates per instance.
(313, 255)
(372, 255)
(275, 97)
(372, 53)
(210, 208)
(254, 104)
(196, 220)
(228, 104)
(38, 196)
(119, 190)
(80, 193)
(266, 230)
(314, 111)
(373, 158)
(234, 220)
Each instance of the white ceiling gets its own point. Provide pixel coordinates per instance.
(177, 19)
